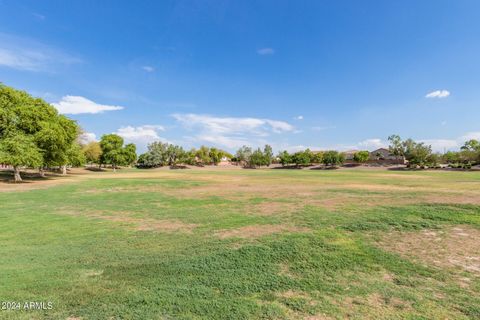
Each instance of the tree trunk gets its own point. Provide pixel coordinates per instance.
(41, 172)
(114, 168)
(64, 170)
(16, 174)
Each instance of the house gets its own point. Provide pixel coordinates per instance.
(381, 154)
(349, 154)
(384, 156)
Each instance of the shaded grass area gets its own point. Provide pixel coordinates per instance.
(57, 246)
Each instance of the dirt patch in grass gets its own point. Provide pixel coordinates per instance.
(270, 208)
(376, 187)
(318, 317)
(452, 248)
(166, 226)
(141, 224)
(402, 176)
(294, 294)
(257, 231)
(92, 273)
(285, 271)
(458, 198)
(377, 301)
(373, 306)
(152, 224)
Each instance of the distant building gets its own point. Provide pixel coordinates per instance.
(384, 156)
(349, 154)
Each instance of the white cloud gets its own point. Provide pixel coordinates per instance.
(372, 144)
(230, 142)
(298, 117)
(233, 125)
(87, 137)
(29, 55)
(265, 51)
(438, 94)
(141, 135)
(78, 105)
(231, 132)
(470, 136)
(440, 145)
(38, 16)
(322, 128)
(148, 68)
(278, 126)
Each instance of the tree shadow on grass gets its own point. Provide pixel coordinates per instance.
(325, 168)
(289, 167)
(95, 169)
(6, 176)
(178, 167)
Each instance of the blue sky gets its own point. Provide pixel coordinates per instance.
(294, 74)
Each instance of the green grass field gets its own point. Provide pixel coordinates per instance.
(244, 244)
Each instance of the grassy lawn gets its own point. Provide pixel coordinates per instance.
(244, 244)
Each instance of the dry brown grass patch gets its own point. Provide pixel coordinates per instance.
(166, 226)
(272, 208)
(285, 271)
(318, 317)
(457, 198)
(256, 231)
(140, 224)
(294, 294)
(453, 248)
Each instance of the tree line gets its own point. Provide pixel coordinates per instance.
(420, 155)
(250, 158)
(165, 154)
(34, 135)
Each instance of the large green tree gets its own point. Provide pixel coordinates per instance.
(303, 158)
(19, 150)
(215, 155)
(203, 155)
(57, 140)
(92, 152)
(268, 154)
(129, 154)
(285, 158)
(243, 155)
(333, 158)
(112, 150)
(257, 159)
(47, 133)
(161, 154)
(416, 153)
(175, 154)
(75, 156)
(470, 152)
